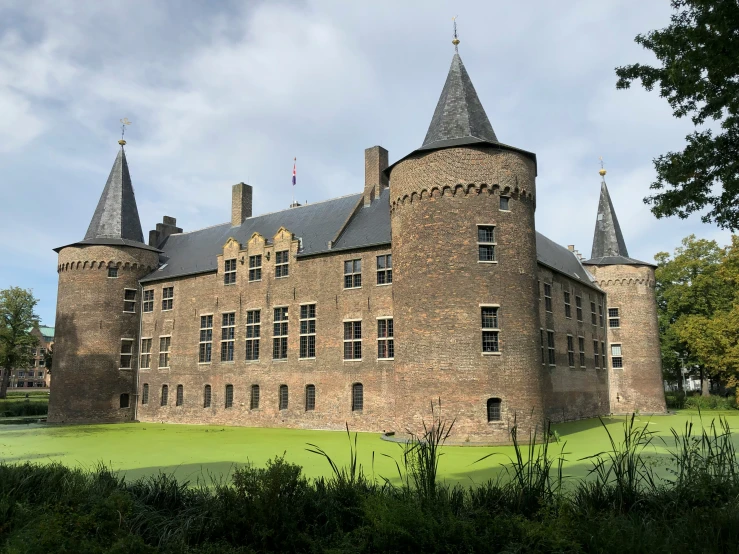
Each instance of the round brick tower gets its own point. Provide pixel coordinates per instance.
(464, 290)
(98, 310)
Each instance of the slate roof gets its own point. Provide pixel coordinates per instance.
(559, 258)
(609, 247)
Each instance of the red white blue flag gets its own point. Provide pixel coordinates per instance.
(295, 161)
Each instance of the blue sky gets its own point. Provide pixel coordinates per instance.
(223, 92)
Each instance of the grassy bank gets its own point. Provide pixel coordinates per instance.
(530, 507)
(23, 403)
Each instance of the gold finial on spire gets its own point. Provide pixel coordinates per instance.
(455, 41)
(124, 122)
(602, 171)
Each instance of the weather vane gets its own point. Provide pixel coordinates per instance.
(455, 41)
(124, 122)
(602, 171)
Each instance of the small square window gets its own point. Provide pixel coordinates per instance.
(504, 203)
(113, 272)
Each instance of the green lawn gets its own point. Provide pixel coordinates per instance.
(192, 452)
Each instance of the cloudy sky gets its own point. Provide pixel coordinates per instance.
(223, 92)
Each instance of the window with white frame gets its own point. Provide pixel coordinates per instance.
(568, 305)
(205, 347)
(228, 334)
(486, 243)
(308, 331)
(385, 340)
(167, 298)
(550, 348)
(255, 268)
(145, 354)
(548, 297)
(385, 269)
(504, 203)
(129, 300)
(490, 329)
(253, 331)
(352, 274)
(281, 263)
(279, 334)
(570, 351)
(112, 272)
(614, 318)
(581, 346)
(617, 360)
(126, 353)
(148, 300)
(164, 345)
(353, 340)
(578, 305)
(229, 272)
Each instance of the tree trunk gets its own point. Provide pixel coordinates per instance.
(705, 384)
(4, 382)
(680, 382)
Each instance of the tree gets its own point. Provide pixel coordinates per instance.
(699, 77)
(17, 344)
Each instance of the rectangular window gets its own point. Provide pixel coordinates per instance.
(229, 272)
(603, 352)
(617, 360)
(126, 353)
(596, 355)
(308, 331)
(570, 351)
(486, 243)
(145, 353)
(255, 268)
(578, 305)
(581, 345)
(548, 297)
(229, 396)
(129, 300)
(207, 396)
(145, 394)
(149, 300)
(206, 339)
(490, 329)
(113, 272)
(352, 274)
(281, 263)
(167, 298)
(253, 331)
(593, 314)
(357, 397)
(352, 340)
(228, 333)
(614, 320)
(600, 312)
(541, 341)
(504, 203)
(310, 398)
(165, 395)
(254, 398)
(385, 340)
(550, 348)
(279, 334)
(164, 344)
(283, 397)
(180, 399)
(385, 269)
(568, 306)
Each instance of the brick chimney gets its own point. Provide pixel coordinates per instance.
(375, 181)
(240, 203)
(167, 227)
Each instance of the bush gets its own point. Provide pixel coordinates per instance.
(17, 408)
(713, 402)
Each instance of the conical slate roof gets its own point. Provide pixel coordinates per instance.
(116, 215)
(459, 117)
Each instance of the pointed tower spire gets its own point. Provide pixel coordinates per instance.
(608, 241)
(459, 117)
(116, 215)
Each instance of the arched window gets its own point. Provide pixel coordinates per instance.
(124, 400)
(357, 397)
(494, 409)
(145, 394)
(254, 401)
(229, 396)
(283, 397)
(310, 398)
(180, 395)
(206, 397)
(165, 394)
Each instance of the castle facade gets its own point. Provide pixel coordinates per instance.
(432, 283)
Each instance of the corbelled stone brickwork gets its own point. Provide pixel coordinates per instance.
(637, 386)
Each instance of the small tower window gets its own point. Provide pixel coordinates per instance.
(357, 397)
(206, 396)
(129, 300)
(310, 398)
(490, 330)
(494, 409)
(180, 395)
(125, 400)
(614, 319)
(229, 274)
(229, 396)
(113, 272)
(145, 394)
(283, 397)
(486, 243)
(254, 401)
(504, 203)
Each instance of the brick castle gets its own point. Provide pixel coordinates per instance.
(431, 283)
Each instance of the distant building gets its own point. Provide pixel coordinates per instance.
(36, 375)
(431, 283)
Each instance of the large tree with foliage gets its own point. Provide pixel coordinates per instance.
(17, 344)
(699, 76)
